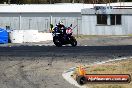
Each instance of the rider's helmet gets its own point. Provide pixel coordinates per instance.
(60, 22)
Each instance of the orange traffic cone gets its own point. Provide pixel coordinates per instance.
(81, 70)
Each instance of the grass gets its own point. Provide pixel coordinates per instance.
(91, 36)
(130, 35)
(86, 36)
(111, 86)
(117, 67)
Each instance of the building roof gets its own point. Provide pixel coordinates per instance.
(112, 11)
(52, 8)
(47, 8)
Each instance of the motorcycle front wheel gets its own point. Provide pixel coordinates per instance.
(73, 41)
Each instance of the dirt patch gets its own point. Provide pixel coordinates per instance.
(42, 73)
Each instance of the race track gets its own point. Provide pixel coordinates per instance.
(67, 51)
(42, 66)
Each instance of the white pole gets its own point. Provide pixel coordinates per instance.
(51, 19)
(20, 21)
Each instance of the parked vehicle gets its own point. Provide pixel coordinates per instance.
(63, 37)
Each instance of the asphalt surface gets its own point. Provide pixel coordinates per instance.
(42, 66)
(67, 51)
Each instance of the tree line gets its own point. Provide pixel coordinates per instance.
(59, 1)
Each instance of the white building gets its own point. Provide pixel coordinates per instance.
(30, 23)
(107, 21)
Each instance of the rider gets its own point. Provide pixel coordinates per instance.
(61, 27)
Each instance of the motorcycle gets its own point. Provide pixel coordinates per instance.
(60, 38)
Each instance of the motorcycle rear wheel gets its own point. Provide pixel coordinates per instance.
(57, 42)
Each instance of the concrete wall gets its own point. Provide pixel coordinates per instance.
(24, 36)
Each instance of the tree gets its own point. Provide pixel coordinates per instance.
(128, 0)
(2, 1)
